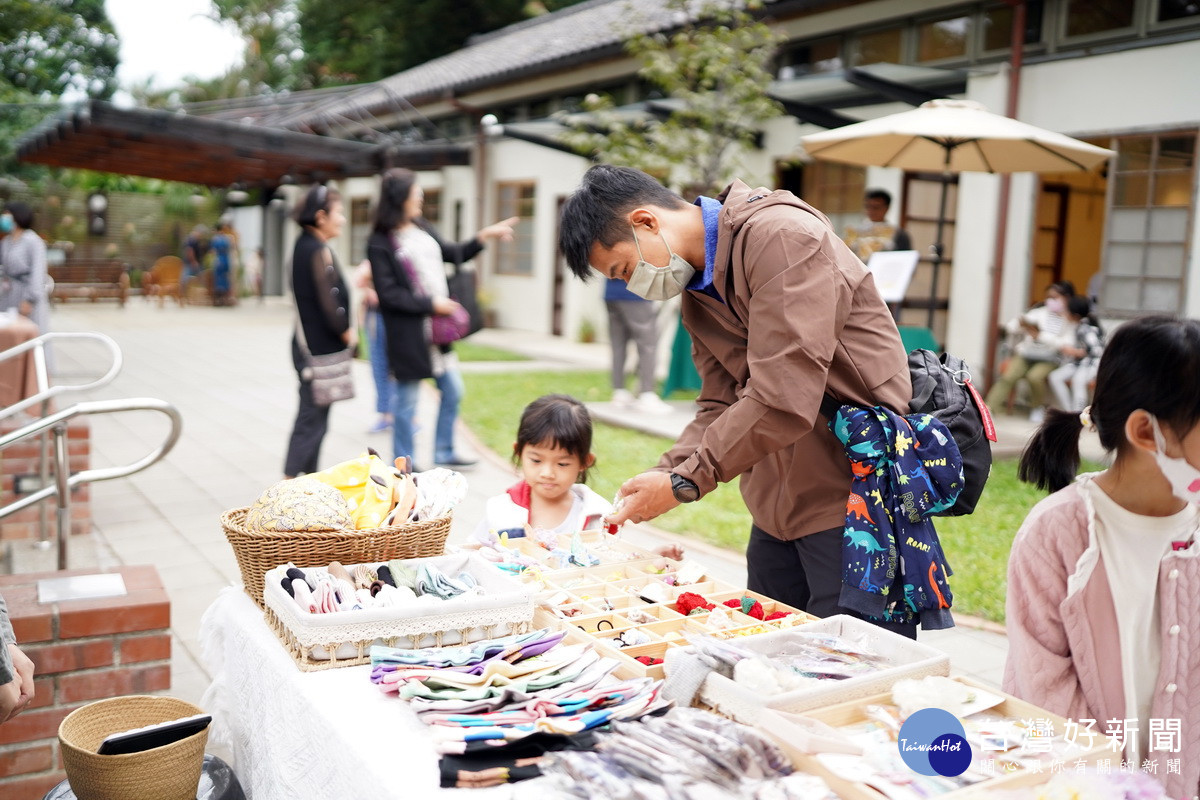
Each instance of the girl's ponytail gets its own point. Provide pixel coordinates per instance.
(1050, 459)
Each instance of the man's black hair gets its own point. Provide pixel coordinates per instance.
(879, 194)
(596, 211)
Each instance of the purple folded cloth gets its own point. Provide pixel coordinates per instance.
(504, 649)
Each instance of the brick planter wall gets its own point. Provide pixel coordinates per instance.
(21, 458)
(83, 650)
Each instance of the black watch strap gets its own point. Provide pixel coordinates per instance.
(685, 491)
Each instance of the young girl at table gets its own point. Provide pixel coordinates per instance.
(1104, 574)
(553, 452)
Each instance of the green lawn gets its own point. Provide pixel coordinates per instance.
(469, 351)
(976, 546)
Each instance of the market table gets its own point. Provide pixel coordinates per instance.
(296, 735)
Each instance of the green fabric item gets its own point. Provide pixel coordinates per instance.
(682, 373)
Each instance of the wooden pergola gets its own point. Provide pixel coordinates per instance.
(213, 152)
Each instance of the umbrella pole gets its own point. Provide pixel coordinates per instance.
(938, 246)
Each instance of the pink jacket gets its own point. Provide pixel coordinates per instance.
(1062, 630)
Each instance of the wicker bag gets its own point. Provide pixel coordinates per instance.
(259, 551)
(170, 772)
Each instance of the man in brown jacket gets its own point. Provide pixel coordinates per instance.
(779, 309)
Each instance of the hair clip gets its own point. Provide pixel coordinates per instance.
(1085, 418)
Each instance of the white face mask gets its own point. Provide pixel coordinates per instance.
(659, 283)
(1183, 477)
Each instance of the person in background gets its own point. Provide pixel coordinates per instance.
(875, 233)
(1104, 573)
(632, 318)
(779, 311)
(17, 688)
(553, 451)
(323, 308)
(1071, 381)
(1044, 330)
(408, 269)
(23, 275)
(376, 338)
(195, 248)
(224, 249)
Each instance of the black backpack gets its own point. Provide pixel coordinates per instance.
(942, 387)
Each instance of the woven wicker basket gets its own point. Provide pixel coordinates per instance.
(260, 551)
(171, 772)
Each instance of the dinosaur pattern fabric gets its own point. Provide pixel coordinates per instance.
(905, 470)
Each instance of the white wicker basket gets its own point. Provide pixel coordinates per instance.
(506, 606)
(905, 657)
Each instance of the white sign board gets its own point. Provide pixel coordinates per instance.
(893, 271)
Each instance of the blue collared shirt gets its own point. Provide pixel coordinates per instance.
(702, 281)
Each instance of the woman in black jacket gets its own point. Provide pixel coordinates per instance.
(407, 266)
(323, 305)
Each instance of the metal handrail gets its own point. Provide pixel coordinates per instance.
(46, 392)
(64, 482)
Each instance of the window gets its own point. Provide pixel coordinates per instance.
(1087, 17)
(515, 200)
(944, 38)
(1169, 10)
(878, 47)
(431, 209)
(997, 25)
(810, 58)
(1145, 257)
(836, 189)
(361, 223)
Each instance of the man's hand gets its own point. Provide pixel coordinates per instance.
(642, 498)
(18, 693)
(26, 308)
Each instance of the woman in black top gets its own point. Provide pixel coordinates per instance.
(323, 304)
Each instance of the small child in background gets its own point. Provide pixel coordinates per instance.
(554, 452)
(1104, 574)
(1070, 381)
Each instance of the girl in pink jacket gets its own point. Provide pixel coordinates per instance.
(1104, 576)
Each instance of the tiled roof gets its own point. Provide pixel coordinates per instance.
(588, 31)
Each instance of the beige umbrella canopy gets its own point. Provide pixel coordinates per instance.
(953, 136)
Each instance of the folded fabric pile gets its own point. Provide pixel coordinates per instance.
(390, 585)
(482, 699)
(685, 753)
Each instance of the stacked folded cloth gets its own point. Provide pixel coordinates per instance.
(496, 706)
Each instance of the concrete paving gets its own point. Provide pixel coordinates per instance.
(228, 371)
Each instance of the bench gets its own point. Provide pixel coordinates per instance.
(91, 279)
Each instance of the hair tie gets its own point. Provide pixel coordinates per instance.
(1085, 418)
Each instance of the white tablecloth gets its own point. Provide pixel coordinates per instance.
(298, 735)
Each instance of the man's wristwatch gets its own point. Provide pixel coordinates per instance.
(685, 491)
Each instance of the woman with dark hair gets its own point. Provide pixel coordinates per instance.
(407, 266)
(1104, 574)
(23, 266)
(323, 317)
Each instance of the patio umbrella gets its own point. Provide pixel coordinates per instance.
(952, 136)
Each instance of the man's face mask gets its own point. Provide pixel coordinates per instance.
(659, 283)
(1183, 477)
(6, 223)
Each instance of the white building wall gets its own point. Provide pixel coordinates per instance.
(524, 302)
